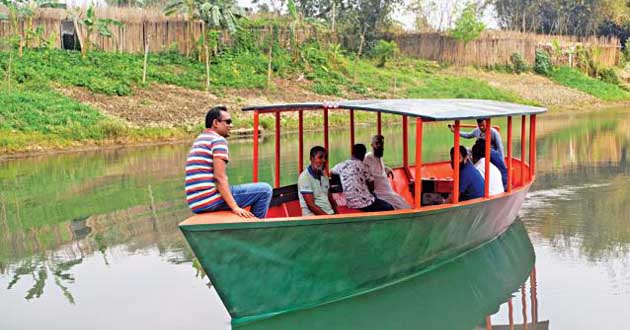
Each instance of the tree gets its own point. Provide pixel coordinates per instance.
(24, 10)
(216, 14)
(93, 25)
(468, 27)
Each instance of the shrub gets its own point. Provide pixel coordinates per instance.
(384, 50)
(518, 63)
(610, 76)
(542, 63)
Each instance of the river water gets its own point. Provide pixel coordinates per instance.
(91, 240)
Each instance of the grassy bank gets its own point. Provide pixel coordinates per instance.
(575, 79)
(36, 112)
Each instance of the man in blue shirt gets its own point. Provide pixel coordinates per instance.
(480, 133)
(471, 183)
(496, 160)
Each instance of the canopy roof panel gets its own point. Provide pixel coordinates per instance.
(428, 109)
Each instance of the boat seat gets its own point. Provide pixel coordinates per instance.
(284, 194)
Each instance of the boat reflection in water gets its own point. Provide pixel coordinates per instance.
(456, 295)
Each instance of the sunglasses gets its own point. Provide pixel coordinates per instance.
(227, 121)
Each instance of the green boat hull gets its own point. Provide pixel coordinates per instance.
(458, 295)
(262, 269)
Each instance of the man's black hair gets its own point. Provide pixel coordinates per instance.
(479, 149)
(378, 137)
(317, 149)
(214, 113)
(462, 151)
(358, 151)
(480, 120)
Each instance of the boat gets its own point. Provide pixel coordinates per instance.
(287, 262)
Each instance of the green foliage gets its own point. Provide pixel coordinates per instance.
(457, 87)
(384, 50)
(468, 26)
(575, 79)
(542, 63)
(610, 76)
(518, 63)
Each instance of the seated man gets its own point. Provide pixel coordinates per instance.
(382, 189)
(470, 181)
(313, 186)
(498, 161)
(207, 187)
(478, 155)
(480, 133)
(355, 179)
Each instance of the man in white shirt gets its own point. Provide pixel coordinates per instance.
(478, 154)
(382, 189)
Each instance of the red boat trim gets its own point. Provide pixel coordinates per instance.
(405, 138)
(277, 161)
(326, 134)
(227, 219)
(351, 129)
(523, 142)
(456, 164)
(255, 156)
(301, 141)
(509, 155)
(418, 182)
(486, 183)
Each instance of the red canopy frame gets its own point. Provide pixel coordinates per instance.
(417, 193)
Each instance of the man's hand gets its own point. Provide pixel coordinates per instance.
(242, 213)
(390, 174)
(451, 128)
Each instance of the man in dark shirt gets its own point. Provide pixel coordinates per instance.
(496, 160)
(471, 183)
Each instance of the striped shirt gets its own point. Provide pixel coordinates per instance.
(201, 188)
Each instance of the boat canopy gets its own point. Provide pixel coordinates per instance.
(427, 109)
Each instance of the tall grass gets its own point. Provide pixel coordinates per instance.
(600, 89)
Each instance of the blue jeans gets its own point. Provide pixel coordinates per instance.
(256, 195)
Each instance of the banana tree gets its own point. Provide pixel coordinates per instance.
(24, 11)
(216, 14)
(93, 24)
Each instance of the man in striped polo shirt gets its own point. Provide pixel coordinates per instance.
(207, 187)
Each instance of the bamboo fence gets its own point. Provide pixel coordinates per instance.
(163, 33)
(496, 47)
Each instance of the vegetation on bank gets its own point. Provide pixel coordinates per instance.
(35, 115)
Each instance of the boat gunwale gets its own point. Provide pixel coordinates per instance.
(188, 225)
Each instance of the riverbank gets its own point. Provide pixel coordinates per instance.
(57, 101)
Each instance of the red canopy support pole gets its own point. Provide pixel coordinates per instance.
(417, 196)
(326, 135)
(533, 295)
(509, 154)
(301, 141)
(351, 129)
(511, 314)
(488, 323)
(486, 187)
(379, 123)
(523, 142)
(255, 155)
(532, 146)
(277, 162)
(405, 138)
(524, 303)
(456, 163)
